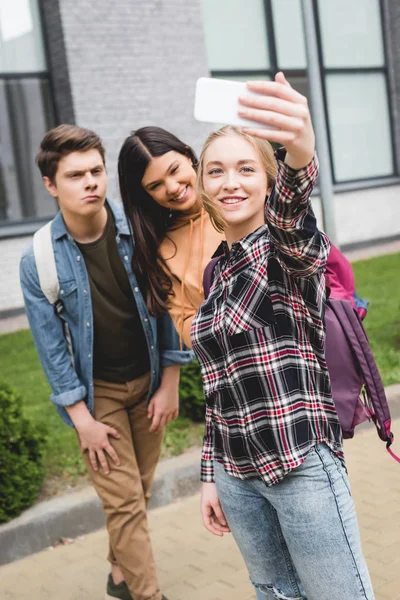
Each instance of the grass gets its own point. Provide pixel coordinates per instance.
(20, 367)
(377, 279)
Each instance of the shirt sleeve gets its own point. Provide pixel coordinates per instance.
(48, 335)
(301, 248)
(207, 453)
(171, 352)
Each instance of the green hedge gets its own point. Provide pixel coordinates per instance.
(191, 396)
(21, 456)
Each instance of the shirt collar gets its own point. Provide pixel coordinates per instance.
(121, 223)
(244, 243)
(58, 226)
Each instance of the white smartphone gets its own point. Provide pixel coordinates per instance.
(217, 101)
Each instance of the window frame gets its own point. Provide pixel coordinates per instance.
(339, 186)
(382, 70)
(11, 228)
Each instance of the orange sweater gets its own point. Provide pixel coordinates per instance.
(187, 250)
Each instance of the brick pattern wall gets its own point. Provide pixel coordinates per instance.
(134, 63)
(10, 254)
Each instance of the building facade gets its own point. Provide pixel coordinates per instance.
(116, 67)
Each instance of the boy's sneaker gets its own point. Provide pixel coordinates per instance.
(120, 591)
(117, 592)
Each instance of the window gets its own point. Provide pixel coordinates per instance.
(360, 125)
(26, 112)
(351, 33)
(243, 43)
(355, 75)
(260, 37)
(288, 28)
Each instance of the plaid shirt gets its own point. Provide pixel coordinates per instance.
(259, 338)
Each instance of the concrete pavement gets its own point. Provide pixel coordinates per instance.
(194, 565)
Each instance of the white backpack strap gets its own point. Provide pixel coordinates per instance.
(48, 278)
(46, 264)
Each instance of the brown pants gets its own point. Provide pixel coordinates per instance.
(125, 492)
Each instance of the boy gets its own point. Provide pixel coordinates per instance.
(122, 356)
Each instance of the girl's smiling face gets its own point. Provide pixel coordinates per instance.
(170, 180)
(235, 181)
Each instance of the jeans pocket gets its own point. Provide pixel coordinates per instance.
(333, 464)
(342, 469)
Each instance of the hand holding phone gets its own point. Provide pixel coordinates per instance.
(277, 103)
(217, 101)
(271, 110)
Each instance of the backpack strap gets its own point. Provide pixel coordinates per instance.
(359, 344)
(46, 264)
(392, 454)
(48, 279)
(208, 275)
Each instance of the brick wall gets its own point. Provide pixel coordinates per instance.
(10, 254)
(134, 63)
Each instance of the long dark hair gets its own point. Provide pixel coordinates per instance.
(148, 220)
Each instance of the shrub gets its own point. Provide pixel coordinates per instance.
(191, 396)
(21, 456)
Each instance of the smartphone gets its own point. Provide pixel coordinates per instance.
(217, 101)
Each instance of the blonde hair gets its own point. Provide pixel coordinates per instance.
(267, 158)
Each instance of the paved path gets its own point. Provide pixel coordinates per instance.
(374, 250)
(193, 565)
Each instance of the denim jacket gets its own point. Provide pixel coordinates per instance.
(70, 385)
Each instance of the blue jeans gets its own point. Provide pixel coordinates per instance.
(299, 538)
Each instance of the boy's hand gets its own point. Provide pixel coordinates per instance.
(211, 510)
(285, 109)
(164, 405)
(163, 408)
(93, 437)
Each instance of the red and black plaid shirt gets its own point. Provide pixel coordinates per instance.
(259, 338)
